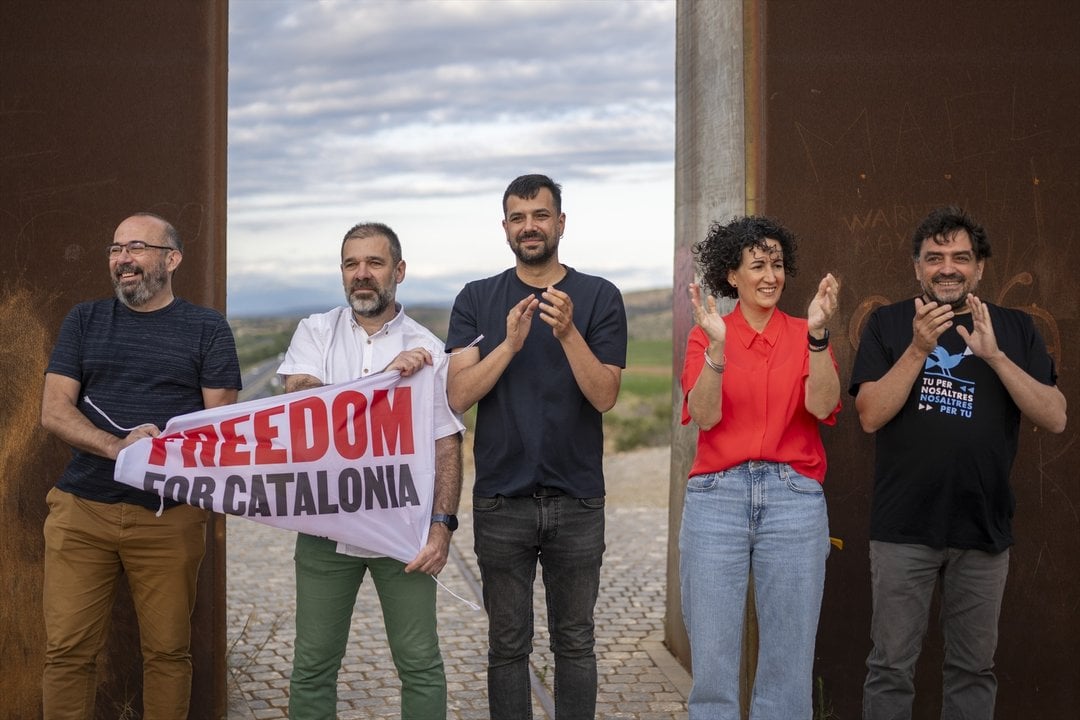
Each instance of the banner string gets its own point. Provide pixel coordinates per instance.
(108, 419)
(461, 350)
(469, 603)
(161, 504)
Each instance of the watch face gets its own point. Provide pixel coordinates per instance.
(449, 520)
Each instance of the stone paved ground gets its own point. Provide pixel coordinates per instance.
(638, 678)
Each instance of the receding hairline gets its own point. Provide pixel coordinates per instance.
(168, 230)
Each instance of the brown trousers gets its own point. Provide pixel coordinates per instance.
(87, 547)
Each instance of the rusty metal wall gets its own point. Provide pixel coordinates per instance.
(874, 113)
(106, 108)
(860, 117)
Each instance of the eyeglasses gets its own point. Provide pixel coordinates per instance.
(135, 247)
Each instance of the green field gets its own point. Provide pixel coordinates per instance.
(649, 353)
(642, 416)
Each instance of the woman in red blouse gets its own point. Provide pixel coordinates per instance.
(757, 382)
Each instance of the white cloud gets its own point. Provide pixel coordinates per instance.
(418, 114)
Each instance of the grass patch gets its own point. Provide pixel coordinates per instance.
(645, 385)
(642, 415)
(649, 354)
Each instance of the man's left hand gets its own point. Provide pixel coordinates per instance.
(432, 557)
(981, 339)
(409, 362)
(557, 310)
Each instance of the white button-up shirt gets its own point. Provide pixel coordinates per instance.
(334, 348)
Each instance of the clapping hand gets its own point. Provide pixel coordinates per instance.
(982, 340)
(824, 304)
(707, 317)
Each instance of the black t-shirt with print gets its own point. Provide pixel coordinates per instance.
(941, 474)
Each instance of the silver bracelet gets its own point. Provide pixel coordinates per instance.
(718, 367)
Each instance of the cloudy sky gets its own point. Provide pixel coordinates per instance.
(418, 113)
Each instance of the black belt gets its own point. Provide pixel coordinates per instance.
(543, 492)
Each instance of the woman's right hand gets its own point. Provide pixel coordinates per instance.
(708, 318)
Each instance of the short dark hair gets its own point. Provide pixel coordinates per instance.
(172, 235)
(722, 250)
(942, 223)
(527, 186)
(371, 229)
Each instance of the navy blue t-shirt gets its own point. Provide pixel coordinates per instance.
(138, 367)
(535, 427)
(942, 465)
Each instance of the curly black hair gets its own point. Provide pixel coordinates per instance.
(942, 223)
(722, 250)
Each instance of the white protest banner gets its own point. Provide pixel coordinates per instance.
(353, 462)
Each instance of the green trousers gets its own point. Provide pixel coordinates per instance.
(326, 586)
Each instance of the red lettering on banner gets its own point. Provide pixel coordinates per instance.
(348, 414)
(305, 447)
(265, 433)
(204, 437)
(391, 423)
(311, 427)
(231, 441)
(157, 450)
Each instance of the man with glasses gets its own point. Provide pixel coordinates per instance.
(121, 368)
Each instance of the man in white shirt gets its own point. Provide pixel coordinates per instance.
(373, 334)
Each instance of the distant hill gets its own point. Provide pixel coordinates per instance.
(648, 314)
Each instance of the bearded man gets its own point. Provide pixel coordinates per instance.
(552, 346)
(942, 379)
(120, 369)
(372, 335)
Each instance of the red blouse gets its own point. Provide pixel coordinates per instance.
(763, 398)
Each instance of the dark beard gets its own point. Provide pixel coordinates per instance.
(539, 257)
(958, 304)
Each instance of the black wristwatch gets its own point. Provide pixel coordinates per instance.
(449, 521)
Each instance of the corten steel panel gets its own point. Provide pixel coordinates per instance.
(874, 113)
(105, 109)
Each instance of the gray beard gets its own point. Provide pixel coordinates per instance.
(373, 307)
(140, 293)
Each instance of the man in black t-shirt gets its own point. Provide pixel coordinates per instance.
(942, 379)
(548, 364)
(120, 369)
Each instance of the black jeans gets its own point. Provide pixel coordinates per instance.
(566, 535)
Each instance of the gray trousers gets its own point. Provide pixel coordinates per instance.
(903, 578)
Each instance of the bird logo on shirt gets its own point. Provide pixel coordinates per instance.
(942, 358)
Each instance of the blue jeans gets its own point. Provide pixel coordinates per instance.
(766, 518)
(326, 587)
(902, 579)
(566, 535)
